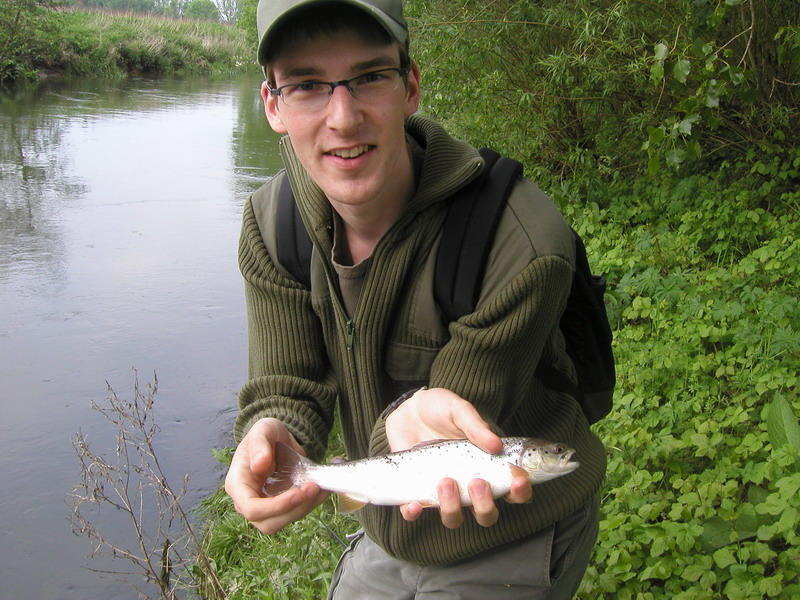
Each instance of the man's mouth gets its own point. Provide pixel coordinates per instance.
(353, 152)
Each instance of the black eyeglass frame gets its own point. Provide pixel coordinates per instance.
(278, 91)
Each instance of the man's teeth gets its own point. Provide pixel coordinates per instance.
(350, 152)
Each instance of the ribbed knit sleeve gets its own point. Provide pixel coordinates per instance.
(289, 375)
(489, 356)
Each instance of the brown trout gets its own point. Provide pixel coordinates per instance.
(412, 475)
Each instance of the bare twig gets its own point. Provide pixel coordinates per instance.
(165, 546)
(492, 22)
(776, 80)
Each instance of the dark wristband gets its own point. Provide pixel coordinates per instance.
(389, 409)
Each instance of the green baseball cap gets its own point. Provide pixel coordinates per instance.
(270, 13)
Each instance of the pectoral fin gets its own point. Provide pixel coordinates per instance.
(348, 504)
(517, 471)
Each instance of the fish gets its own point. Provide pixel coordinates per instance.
(412, 475)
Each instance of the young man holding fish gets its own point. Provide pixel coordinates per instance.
(372, 181)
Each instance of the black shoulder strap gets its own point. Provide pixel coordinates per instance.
(293, 243)
(467, 235)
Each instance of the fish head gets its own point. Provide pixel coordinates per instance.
(550, 458)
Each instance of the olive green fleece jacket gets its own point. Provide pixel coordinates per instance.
(307, 357)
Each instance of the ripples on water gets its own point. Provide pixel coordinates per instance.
(119, 214)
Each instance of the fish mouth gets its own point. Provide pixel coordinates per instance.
(562, 463)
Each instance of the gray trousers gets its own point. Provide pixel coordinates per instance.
(547, 566)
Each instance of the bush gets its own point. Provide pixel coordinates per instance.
(27, 32)
(615, 86)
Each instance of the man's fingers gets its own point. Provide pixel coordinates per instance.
(521, 491)
(411, 511)
(261, 461)
(450, 504)
(269, 515)
(483, 506)
(466, 417)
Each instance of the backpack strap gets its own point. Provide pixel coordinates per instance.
(294, 244)
(467, 235)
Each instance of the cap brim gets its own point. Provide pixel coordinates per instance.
(396, 31)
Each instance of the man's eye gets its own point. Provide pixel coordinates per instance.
(309, 87)
(368, 78)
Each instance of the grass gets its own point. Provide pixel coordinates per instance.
(295, 564)
(92, 43)
(130, 43)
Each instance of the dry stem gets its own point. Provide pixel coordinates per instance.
(165, 547)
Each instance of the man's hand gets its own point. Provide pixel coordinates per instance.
(440, 414)
(252, 463)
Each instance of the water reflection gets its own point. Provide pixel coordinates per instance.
(120, 206)
(32, 171)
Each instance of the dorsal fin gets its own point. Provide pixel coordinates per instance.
(427, 443)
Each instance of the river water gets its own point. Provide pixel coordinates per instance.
(120, 206)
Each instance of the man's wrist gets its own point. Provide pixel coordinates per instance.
(403, 397)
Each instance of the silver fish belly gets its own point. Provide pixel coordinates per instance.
(412, 475)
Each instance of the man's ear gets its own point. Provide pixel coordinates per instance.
(271, 110)
(412, 90)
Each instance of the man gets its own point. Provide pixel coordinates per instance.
(372, 182)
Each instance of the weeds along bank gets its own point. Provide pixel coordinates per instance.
(668, 133)
(36, 41)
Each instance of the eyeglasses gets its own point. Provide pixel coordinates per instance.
(370, 87)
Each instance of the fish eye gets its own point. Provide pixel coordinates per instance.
(557, 449)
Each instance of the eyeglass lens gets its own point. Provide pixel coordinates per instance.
(369, 87)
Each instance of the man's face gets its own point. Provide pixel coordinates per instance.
(354, 150)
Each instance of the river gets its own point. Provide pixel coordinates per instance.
(120, 205)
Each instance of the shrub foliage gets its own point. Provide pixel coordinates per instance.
(589, 83)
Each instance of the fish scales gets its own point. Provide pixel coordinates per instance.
(412, 475)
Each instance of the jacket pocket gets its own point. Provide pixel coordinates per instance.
(409, 364)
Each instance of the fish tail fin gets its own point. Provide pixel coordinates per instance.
(290, 470)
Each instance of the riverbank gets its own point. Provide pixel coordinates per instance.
(41, 43)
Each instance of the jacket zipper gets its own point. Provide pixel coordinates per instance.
(350, 327)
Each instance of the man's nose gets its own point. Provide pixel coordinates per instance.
(344, 111)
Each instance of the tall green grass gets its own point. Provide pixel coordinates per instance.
(129, 43)
(84, 43)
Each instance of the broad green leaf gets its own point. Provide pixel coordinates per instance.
(657, 72)
(716, 533)
(681, 70)
(661, 51)
(685, 125)
(675, 157)
(782, 424)
(724, 557)
(655, 135)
